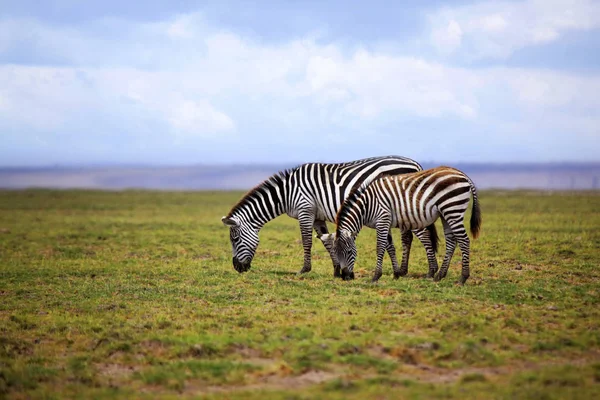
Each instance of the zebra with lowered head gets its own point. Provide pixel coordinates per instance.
(409, 202)
(312, 193)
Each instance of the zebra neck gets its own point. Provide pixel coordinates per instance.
(353, 222)
(355, 215)
(263, 203)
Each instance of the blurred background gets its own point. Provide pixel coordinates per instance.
(221, 94)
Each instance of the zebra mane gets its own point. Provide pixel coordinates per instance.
(253, 193)
(351, 200)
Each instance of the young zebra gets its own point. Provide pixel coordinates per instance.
(411, 201)
(312, 193)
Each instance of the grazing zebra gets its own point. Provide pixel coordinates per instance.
(410, 202)
(312, 193)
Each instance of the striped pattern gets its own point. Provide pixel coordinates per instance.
(409, 202)
(311, 193)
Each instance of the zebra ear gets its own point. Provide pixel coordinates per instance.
(327, 237)
(348, 234)
(229, 221)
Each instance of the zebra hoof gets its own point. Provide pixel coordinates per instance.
(303, 271)
(337, 273)
(438, 277)
(400, 273)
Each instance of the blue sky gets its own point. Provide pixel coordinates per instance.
(192, 82)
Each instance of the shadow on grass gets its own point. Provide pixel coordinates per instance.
(282, 273)
(422, 276)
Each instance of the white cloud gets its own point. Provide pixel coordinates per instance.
(40, 97)
(369, 85)
(206, 83)
(497, 29)
(448, 37)
(199, 116)
(493, 23)
(552, 90)
(182, 27)
(51, 99)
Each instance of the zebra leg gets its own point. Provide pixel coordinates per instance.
(450, 246)
(407, 238)
(425, 238)
(306, 220)
(383, 230)
(464, 243)
(321, 229)
(391, 249)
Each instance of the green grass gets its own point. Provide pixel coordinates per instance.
(132, 294)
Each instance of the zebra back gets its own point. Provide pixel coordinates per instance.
(324, 186)
(420, 188)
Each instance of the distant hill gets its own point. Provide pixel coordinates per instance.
(242, 177)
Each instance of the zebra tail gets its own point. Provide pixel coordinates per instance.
(434, 237)
(475, 214)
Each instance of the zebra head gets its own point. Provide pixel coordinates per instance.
(244, 241)
(344, 246)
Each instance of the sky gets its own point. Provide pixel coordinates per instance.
(217, 82)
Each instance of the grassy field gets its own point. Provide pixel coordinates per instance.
(133, 295)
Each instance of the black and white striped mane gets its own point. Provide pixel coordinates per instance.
(351, 200)
(276, 179)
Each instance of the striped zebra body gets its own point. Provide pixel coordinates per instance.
(409, 202)
(311, 193)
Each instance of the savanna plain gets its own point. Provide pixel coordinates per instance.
(132, 294)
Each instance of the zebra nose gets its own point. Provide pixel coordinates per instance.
(237, 265)
(240, 266)
(347, 275)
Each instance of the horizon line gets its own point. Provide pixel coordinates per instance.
(286, 164)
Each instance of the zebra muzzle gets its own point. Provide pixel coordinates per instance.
(347, 275)
(239, 266)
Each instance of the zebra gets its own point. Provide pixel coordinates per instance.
(312, 193)
(410, 202)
